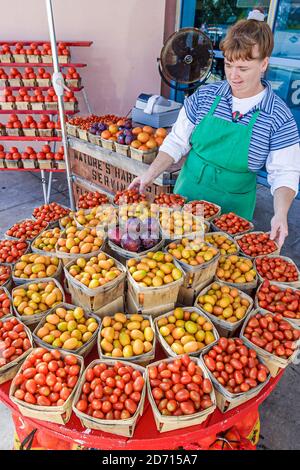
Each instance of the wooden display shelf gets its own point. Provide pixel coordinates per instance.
(40, 43)
(39, 64)
(43, 88)
(34, 170)
(24, 138)
(34, 111)
(111, 171)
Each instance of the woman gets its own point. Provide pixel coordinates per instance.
(230, 129)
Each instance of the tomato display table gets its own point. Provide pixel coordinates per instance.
(146, 436)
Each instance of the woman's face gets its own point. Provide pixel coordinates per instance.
(244, 76)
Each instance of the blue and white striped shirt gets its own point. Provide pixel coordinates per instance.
(274, 129)
(274, 141)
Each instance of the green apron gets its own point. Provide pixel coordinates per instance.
(216, 168)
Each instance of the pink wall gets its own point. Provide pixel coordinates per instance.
(127, 35)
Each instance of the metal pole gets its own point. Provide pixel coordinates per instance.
(60, 100)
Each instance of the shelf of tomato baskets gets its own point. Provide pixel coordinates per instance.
(244, 419)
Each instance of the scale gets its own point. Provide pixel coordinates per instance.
(185, 63)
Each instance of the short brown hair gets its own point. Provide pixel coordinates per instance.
(243, 35)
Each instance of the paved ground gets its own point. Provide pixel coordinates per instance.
(280, 413)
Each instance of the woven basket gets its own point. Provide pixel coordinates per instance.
(108, 144)
(168, 350)
(246, 287)
(68, 257)
(84, 349)
(31, 320)
(202, 228)
(225, 328)
(94, 299)
(274, 363)
(208, 219)
(238, 237)
(9, 371)
(95, 139)
(7, 284)
(225, 400)
(57, 275)
(295, 322)
(51, 414)
(103, 225)
(123, 255)
(123, 427)
(72, 130)
(216, 229)
(295, 284)
(122, 149)
(195, 275)
(28, 240)
(228, 237)
(170, 423)
(145, 156)
(142, 359)
(54, 223)
(149, 297)
(5, 291)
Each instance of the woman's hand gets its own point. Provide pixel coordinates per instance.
(283, 198)
(140, 183)
(279, 229)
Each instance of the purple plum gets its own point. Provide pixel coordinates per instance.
(133, 227)
(148, 241)
(129, 139)
(115, 235)
(130, 244)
